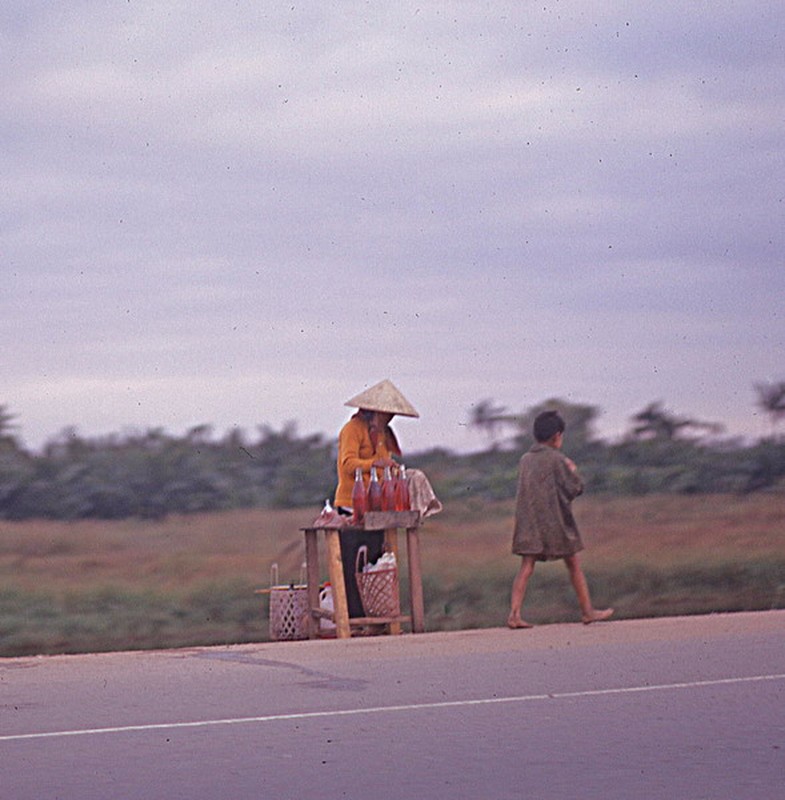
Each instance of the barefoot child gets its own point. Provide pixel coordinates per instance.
(545, 528)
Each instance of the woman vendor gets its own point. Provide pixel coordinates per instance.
(366, 441)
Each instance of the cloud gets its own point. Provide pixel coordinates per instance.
(242, 215)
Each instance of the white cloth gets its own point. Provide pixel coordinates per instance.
(421, 495)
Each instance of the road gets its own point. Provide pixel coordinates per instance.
(690, 707)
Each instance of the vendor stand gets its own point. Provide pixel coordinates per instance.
(391, 522)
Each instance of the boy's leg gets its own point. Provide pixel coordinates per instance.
(519, 592)
(588, 612)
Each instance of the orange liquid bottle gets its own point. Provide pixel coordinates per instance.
(402, 501)
(358, 497)
(374, 499)
(388, 491)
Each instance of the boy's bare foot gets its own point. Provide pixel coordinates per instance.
(597, 616)
(517, 622)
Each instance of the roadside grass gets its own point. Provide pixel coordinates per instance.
(97, 620)
(189, 580)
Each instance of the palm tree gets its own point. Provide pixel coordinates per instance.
(656, 422)
(8, 439)
(771, 399)
(488, 418)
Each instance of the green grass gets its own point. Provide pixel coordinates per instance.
(190, 580)
(120, 619)
(481, 600)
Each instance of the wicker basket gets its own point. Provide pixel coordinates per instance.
(288, 609)
(378, 588)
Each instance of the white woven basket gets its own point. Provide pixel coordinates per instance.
(378, 588)
(288, 609)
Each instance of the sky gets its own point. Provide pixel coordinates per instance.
(241, 214)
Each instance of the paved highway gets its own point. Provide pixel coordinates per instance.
(690, 707)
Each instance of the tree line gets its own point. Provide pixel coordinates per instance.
(153, 473)
(150, 474)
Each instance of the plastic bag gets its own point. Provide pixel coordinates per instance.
(330, 518)
(386, 561)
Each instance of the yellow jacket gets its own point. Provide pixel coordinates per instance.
(356, 449)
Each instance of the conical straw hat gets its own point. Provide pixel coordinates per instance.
(383, 397)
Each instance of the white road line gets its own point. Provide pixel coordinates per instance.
(351, 712)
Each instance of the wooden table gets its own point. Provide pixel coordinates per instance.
(390, 522)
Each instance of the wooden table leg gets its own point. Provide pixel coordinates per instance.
(415, 580)
(391, 546)
(312, 580)
(335, 568)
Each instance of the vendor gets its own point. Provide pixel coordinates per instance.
(366, 441)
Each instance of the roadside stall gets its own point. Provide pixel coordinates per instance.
(378, 583)
(377, 501)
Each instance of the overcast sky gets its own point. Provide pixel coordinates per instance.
(243, 213)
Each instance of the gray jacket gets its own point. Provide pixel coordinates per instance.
(544, 524)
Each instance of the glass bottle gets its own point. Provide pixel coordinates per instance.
(358, 497)
(402, 502)
(374, 499)
(388, 491)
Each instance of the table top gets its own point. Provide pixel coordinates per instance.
(376, 521)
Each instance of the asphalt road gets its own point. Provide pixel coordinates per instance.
(668, 708)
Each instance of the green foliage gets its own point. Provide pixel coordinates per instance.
(149, 475)
(652, 466)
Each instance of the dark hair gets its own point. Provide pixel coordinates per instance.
(547, 425)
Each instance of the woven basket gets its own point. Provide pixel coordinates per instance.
(288, 610)
(378, 588)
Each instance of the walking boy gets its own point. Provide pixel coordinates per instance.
(545, 528)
